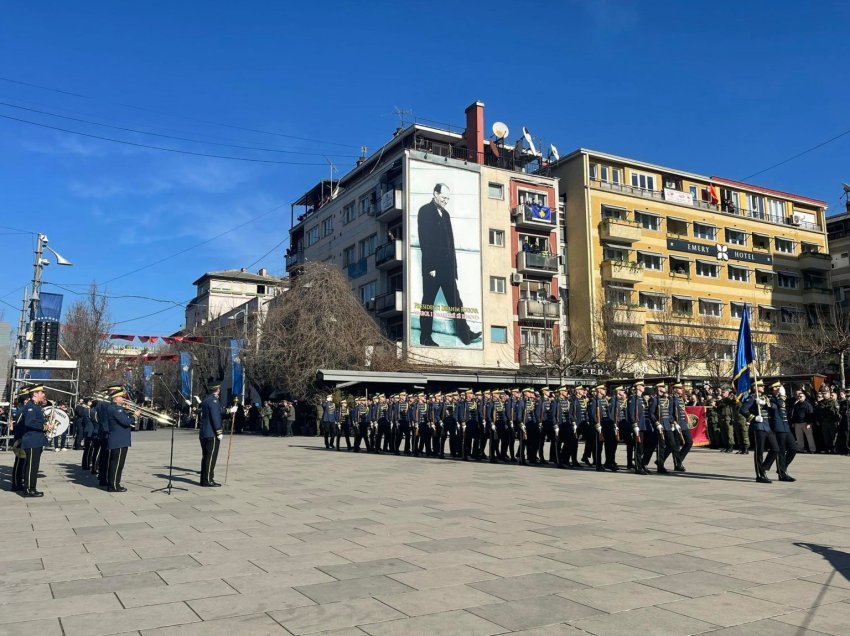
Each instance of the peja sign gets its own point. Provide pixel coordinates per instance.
(719, 251)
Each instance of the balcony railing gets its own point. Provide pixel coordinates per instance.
(294, 259)
(390, 303)
(538, 310)
(635, 316)
(536, 263)
(389, 254)
(815, 261)
(358, 268)
(535, 216)
(617, 229)
(390, 204)
(622, 271)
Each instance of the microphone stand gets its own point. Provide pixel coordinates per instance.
(170, 486)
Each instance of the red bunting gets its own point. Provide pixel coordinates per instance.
(121, 336)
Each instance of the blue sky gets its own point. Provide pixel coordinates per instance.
(720, 88)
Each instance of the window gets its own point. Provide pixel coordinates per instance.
(730, 200)
(764, 277)
(708, 307)
(650, 260)
(643, 181)
(368, 291)
(534, 244)
(531, 197)
(610, 212)
(812, 280)
(498, 335)
(327, 226)
(810, 248)
(648, 221)
(495, 190)
(261, 290)
(784, 245)
(673, 183)
(619, 295)
(313, 236)
(790, 315)
(610, 175)
(756, 205)
(709, 270)
(787, 280)
(736, 237)
(612, 252)
(535, 338)
(706, 232)
(497, 238)
(652, 302)
(349, 213)
(776, 210)
(683, 306)
(680, 266)
(739, 274)
(736, 310)
(497, 284)
(364, 205)
(368, 245)
(767, 313)
(677, 226)
(694, 190)
(593, 171)
(349, 255)
(761, 242)
(533, 290)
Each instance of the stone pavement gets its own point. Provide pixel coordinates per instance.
(302, 540)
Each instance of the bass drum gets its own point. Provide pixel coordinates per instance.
(58, 420)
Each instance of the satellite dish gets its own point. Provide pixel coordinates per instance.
(500, 129)
(553, 152)
(527, 136)
(846, 187)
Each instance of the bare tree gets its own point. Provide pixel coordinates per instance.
(84, 338)
(828, 337)
(620, 344)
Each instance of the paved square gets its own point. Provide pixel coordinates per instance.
(303, 540)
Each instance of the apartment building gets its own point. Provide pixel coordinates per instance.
(667, 245)
(217, 293)
(450, 240)
(838, 233)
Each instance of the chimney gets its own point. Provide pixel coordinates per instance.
(262, 272)
(474, 133)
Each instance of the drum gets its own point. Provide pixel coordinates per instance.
(58, 421)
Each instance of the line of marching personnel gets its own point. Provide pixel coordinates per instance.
(107, 437)
(514, 425)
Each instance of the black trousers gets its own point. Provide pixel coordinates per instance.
(430, 286)
(88, 447)
(116, 456)
(18, 481)
(209, 456)
(328, 433)
(103, 463)
(362, 434)
(609, 443)
(505, 432)
(669, 444)
(786, 450)
(450, 432)
(649, 441)
(685, 448)
(32, 462)
(547, 432)
(94, 453)
(402, 433)
(344, 429)
(384, 435)
(78, 436)
(761, 440)
(627, 437)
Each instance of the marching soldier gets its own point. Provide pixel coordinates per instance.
(787, 445)
(660, 416)
(362, 414)
(683, 430)
(639, 428)
(754, 409)
(450, 425)
(392, 416)
(210, 434)
(547, 427)
(100, 459)
(83, 411)
(507, 447)
(422, 428)
(566, 439)
(579, 416)
(329, 420)
(527, 417)
(18, 480)
(403, 427)
(33, 440)
(498, 419)
(435, 416)
(374, 414)
(603, 426)
(467, 417)
(619, 413)
(119, 424)
(384, 435)
(343, 426)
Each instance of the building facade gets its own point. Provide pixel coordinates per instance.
(450, 240)
(838, 232)
(218, 293)
(658, 247)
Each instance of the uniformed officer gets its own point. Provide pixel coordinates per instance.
(468, 418)
(787, 445)
(580, 406)
(422, 427)
(435, 416)
(547, 427)
(361, 414)
(603, 427)
(329, 420)
(384, 433)
(680, 423)
(86, 427)
(661, 418)
(18, 481)
(638, 427)
(727, 411)
(620, 415)
(498, 418)
(402, 416)
(755, 410)
(527, 416)
(120, 424)
(450, 425)
(343, 425)
(34, 440)
(374, 414)
(566, 440)
(100, 454)
(507, 452)
(210, 434)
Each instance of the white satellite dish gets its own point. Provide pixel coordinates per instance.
(527, 136)
(553, 152)
(500, 129)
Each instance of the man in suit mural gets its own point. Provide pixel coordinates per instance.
(439, 268)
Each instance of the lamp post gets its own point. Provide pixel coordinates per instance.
(25, 343)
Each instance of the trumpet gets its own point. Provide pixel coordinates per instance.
(139, 410)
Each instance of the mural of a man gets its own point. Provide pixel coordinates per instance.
(439, 267)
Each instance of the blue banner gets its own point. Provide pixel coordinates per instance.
(186, 374)
(49, 307)
(743, 375)
(237, 373)
(148, 375)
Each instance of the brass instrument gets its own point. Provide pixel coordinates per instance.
(139, 410)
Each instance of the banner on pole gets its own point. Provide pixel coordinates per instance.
(237, 373)
(148, 376)
(186, 374)
(698, 424)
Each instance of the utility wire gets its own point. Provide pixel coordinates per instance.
(284, 240)
(162, 148)
(798, 155)
(158, 112)
(177, 138)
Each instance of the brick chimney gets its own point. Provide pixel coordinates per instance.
(474, 133)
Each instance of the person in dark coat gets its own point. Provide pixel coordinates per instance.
(210, 434)
(439, 267)
(120, 424)
(33, 441)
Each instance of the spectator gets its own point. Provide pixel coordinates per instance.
(801, 415)
(290, 418)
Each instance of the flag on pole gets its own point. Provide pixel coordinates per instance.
(743, 376)
(236, 370)
(148, 384)
(186, 374)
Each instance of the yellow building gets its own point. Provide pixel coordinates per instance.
(653, 252)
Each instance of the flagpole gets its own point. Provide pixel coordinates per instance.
(755, 364)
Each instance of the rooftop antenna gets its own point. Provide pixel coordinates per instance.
(401, 113)
(846, 187)
(363, 152)
(334, 189)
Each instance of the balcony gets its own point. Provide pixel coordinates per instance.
(390, 304)
(534, 263)
(619, 230)
(817, 295)
(538, 310)
(622, 272)
(815, 261)
(293, 260)
(534, 216)
(357, 268)
(389, 255)
(634, 316)
(390, 205)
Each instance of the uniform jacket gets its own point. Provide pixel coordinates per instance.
(660, 412)
(119, 426)
(750, 411)
(210, 418)
(677, 411)
(579, 408)
(101, 428)
(635, 415)
(329, 412)
(599, 411)
(33, 427)
(778, 414)
(563, 408)
(83, 417)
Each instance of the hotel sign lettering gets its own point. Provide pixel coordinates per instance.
(719, 251)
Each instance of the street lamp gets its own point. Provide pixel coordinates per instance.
(40, 262)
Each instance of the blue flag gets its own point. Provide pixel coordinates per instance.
(541, 213)
(743, 375)
(186, 374)
(237, 373)
(148, 376)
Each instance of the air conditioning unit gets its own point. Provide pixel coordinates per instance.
(796, 219)
(516, 278)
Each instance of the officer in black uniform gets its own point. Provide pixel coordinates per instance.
(603, 427)
(402, 417)
(547, 427)
(34, 440)
(567, 442)
(450, 425)
(661, 418)
(18, 431)
(100, 454)
(637, 425)
(787, 446)
(329, 420)
(435, 416)
(85, 427)
(683, 436)
(755, 410)
(620, 408)
(363, 423)
(120, 424)
(579, 412)
(343, 425)
(210, 434)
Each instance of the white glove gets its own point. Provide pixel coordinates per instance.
(575, 429)
(231, 410)
(759, 419)
(598, 428)
(636, 430)
(677, 427)
(220, 436)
